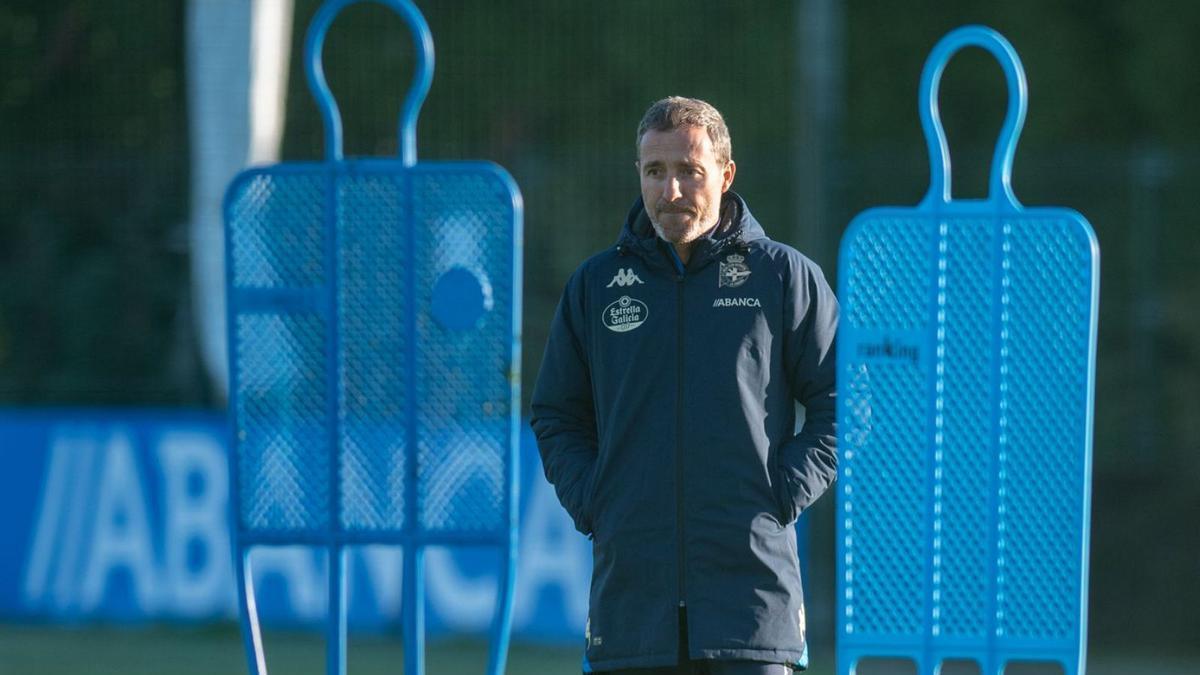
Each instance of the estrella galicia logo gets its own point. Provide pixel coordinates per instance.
(890, 349)
(624, 314)
(733, 272)
(625, 277)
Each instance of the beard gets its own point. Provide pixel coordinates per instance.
(685, 224)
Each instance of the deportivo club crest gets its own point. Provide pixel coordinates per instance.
(734, 272)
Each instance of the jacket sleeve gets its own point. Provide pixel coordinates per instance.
(564, 418)
(808, 461)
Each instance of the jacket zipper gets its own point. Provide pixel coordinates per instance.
(679, 519)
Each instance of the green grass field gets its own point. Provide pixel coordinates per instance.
(46, 650)
(43, 650)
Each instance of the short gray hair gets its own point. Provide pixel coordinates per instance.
(674, 112)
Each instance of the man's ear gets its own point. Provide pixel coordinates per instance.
(727, 176)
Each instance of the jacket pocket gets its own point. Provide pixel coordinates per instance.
(589, 500)
(785, 501)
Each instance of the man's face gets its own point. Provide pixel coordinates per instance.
(682, 182)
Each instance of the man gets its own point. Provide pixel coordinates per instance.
(665, 416)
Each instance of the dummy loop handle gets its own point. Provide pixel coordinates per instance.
(1000, 183)
(314, 69)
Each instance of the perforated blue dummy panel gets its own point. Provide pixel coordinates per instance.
(374, 317)
(407, 388)
(966, 372)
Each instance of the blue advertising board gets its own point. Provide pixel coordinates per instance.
(123, 516)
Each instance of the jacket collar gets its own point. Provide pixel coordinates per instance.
(735, 229)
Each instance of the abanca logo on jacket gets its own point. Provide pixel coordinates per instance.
(624, 314)
(736, 302)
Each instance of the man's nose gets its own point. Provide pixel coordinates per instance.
(671, 189)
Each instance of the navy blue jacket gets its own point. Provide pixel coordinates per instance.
(665, 418)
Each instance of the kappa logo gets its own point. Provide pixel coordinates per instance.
(624, 277)
(736, 302)
(624, 314)
(733, 272)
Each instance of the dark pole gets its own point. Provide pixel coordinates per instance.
(820, 28)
